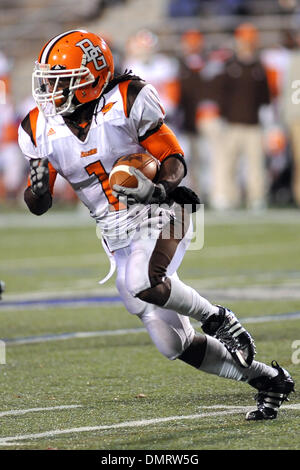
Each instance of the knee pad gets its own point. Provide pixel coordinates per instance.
(136, 275)
(134, 305)
(138, 282)
(157, 295)
(166, 339)
(170, 332)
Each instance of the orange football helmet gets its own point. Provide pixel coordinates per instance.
(73, 68)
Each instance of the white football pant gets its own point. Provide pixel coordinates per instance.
(171, 332)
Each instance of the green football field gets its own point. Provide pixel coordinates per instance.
(81, 372)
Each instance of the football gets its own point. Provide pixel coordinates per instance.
(121, 175)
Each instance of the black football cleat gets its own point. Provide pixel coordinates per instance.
(228, 330)
(272, 392)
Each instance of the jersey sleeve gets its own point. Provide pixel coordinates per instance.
(26, 145)
(147, 111)
(163, 144)
(155, 136)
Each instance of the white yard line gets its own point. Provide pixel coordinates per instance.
(245, 250)
(65, 260)
(125, 331)
(90, 286)
(95, 298)
(133, 424)
(80, 217)
(68, 219)
(64, 293)
(295, 406)
(65, 336)
(96, 258)
(250, 293)
(32, 410)
(280, 276)
(244, 217)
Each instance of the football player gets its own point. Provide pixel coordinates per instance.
(85, 119)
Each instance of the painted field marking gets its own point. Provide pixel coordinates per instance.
(32, 410)
(267, 276)
(73, 299)
(89, 286)
(97, 258)
(81, 218)
(295, 406)
(133, 424)
(125, 331)
(67, 260)
(76, 335)
(245, 250)
(58, 302)
(48, 294)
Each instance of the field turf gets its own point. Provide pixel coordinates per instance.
(108, 388)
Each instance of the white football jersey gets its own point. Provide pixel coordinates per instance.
(86, 164)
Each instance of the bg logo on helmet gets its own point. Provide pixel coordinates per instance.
(92, 54)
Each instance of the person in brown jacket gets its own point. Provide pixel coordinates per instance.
(243, 89)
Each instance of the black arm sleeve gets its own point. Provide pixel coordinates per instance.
(38, 205)
(172, 171)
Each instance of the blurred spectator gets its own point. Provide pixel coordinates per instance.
(190, 81)
(89, 10)
(116, 52)
(191, 93)
(279, 168)
(276, 60)
(208, 120)
(290, 107)
(11, 162)
(200, 129)
(287, 6)
(243, 90)
(198, 113)
(156, 68)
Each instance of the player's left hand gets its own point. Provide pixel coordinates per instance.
(39, 176)
(145, 193)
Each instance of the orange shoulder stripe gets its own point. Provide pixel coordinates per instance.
(52, 177)
(123, 87)
(162, 143)
(33, 116)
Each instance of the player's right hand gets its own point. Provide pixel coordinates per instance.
(39, 176)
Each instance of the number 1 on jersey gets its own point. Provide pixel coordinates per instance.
(96, 168)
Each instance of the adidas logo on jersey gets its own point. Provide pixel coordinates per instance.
(51, 132)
